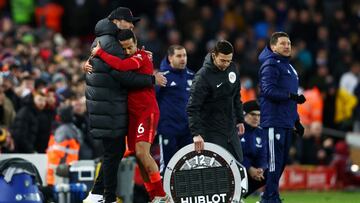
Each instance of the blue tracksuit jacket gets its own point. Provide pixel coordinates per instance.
(277, 79)
(173, 98)
(254, 146)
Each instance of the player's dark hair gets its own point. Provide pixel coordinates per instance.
(126, 35)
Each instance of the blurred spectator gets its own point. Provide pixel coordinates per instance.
(208, 22)
(23, 57)
(292, 18)
(341, 58)
(342, 163)
(233, 21)
(247, 90)
(303, 59)
(326, 153)
(9, 90)
(304, 28)
(323, 38)
(61, 86)
(322, 57)
(46, 118)
(281, 14)
(165, 18)
(329, 105)
(321, 78)
(265, 26)
(7, 111)
(27, 85)
(26, 125)
(174, 36)
(22, 11)
(350, 79)
(312, 110)
(344, 105)
(339, 24)
(7, 116)
(39, 84)
(154, 43)
(6, 141)
(309, 147)
(187, 12)
(50, 15)
(63, 146)
(193, 55)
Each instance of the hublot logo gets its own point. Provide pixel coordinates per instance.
(217, 198)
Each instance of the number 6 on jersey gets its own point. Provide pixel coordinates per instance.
(141, 129)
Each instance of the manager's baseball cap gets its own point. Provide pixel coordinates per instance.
(123, 13)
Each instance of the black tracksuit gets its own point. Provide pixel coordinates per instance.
(215, 108)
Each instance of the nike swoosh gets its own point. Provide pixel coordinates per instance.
(218, 85)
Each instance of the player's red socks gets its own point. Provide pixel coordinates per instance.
(150, 190)
(155, 180)
(155, 186)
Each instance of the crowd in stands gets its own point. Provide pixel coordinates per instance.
(44, 43)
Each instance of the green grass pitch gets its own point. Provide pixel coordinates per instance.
(315, 197)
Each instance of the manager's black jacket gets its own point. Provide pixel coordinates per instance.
(106, 89)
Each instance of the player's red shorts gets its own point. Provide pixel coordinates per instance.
(142, 128)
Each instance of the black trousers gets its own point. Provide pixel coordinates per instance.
(106, 182)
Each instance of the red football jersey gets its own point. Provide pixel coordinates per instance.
(143, 100)
(140, 101)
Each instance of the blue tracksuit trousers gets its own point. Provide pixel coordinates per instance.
(278, 152)
(170, 143)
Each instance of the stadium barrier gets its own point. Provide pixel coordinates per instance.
(308, 177)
